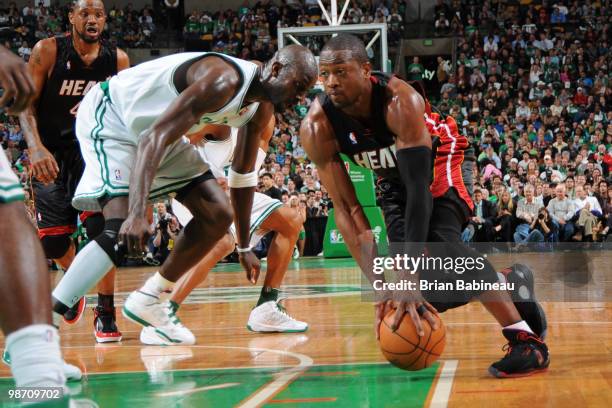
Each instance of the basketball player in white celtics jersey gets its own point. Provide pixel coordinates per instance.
(216, 144)
(25, 310)
(130, 130)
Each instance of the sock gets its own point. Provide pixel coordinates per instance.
(106, 302)
(157, 284)
(175, 306)
(267, 294)
(89, 266)
(57, 319)
(522, 325)
(36, 359)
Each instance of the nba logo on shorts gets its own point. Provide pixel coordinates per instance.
(353, 138)
(117, 174)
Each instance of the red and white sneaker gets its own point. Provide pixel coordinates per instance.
(74, 314)
(105, 326)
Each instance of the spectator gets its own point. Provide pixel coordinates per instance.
(561, 210)
(415, 70)
(505, 215)
(526, 213)
(269, 188)
(481, 224)
(587, 212)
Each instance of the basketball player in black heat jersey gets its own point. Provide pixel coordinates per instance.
(64, 68)
(384, 124)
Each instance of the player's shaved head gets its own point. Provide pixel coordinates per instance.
(289, 73)
(300, 58)
(344, 48)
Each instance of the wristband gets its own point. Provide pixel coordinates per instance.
(239, 180)
(243, 250)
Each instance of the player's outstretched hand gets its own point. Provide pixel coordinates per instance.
(16, 82)
(44, 166)
(251, 265)
(134, 235)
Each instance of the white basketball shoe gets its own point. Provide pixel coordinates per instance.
(271, 317)
(149, 311)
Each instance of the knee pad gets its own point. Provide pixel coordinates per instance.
(94, 225)
(108, 240)
(55, 246)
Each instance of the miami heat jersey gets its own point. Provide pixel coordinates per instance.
(373, 146)
(64, 89)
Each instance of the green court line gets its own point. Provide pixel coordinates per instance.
(302, 263)
(350, 385)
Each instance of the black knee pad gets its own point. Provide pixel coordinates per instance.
(55, 246)
(108, 240)
(94, 225)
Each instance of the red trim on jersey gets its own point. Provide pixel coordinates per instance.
(61, 230)
(449, 157)
(86, 214)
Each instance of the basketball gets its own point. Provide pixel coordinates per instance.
(405, 349)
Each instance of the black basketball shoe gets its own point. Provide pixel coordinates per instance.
(74, 314)
(105, 326)
(526, 354)
(524, 298)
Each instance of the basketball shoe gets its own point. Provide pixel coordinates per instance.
(272, 317)
(526, 354)
(524, 298)
(72, 372)
(150, 335)
(74, 314)
(105, 326)
(147, 310)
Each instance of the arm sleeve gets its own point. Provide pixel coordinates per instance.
(414, 165)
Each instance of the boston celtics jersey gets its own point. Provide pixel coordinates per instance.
(143, 93)
(219, 154)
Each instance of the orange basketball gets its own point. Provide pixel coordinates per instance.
(405, 349)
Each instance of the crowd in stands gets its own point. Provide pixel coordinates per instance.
(530, 90)
(251, 31)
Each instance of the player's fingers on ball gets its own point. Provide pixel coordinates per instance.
(377, 324)
(430, 307)
(416, 319)
(399, 315)
(433, 322)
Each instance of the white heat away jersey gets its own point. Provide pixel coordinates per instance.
(219, 154)
(142, 94)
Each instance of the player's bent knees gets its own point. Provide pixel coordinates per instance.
(108, 240)
(287, 221)
(94, 225)
(222, 216)
(55, 246)
(215, 219)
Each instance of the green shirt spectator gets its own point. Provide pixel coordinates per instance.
(415, 70)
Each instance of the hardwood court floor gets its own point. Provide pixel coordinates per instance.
(337, 362)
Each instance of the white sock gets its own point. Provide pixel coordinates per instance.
(36, 359)
(522, 325)
(89, 266)
(157, 284)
